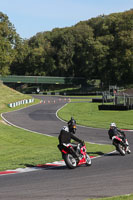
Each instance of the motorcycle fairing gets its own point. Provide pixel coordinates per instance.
(117, 138)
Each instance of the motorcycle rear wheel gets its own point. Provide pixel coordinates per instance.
(70, 161)
(121, 149)
(88, 160)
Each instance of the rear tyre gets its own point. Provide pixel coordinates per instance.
(121, 149)
(70, 161)
(88, 160)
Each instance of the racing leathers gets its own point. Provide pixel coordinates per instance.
(71, 123)
(114, 131)
(65, 137)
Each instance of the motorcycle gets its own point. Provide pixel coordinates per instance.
(74, 155)
(120, 145)
(72, 128)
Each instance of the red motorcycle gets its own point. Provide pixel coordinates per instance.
(120, 145)
(74, 155)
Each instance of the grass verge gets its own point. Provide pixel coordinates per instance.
(87, 114)
(20, 148)
(8, 95)
(125, 197)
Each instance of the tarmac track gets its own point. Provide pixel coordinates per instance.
(108, 176)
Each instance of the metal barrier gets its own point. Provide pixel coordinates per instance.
(126, 100)
(18, 103)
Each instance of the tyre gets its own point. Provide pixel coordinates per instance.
(121, 149)
(88, 160)
(70, 161)
(74, 131)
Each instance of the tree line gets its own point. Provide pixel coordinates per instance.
(98, 48)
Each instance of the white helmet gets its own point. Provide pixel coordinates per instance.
(113, 124)
(65, 128)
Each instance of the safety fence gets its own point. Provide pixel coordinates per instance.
(18, 103)
(121, 102)
(125, 99)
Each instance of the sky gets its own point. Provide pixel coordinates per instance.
(32, 16)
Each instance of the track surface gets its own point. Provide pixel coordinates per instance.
(108, 176)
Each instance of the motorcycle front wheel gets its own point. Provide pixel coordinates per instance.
(88, 160)
(70, 161)
(121, 149)
(74, 131)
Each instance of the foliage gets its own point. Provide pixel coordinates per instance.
(99, 48)
(9, 39)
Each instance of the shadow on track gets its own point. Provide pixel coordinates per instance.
(51, 167)
(113, 154)
(99, 153)
(46, 167)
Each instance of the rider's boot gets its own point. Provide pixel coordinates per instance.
(127, 148)
(127, 143)
(80, 156)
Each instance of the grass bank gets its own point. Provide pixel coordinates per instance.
(8, 95)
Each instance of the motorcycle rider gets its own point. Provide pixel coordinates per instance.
(70, 123)
(114, 131)
(65, 137)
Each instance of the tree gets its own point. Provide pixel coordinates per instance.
(8, 40)
(100, 47)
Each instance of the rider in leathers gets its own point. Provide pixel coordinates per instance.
(65, 137)
(70, 123)
(114, 131)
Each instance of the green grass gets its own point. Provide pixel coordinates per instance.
(84, 98)
(125, 197)
(65, 89)
(20, 148)
(87, 114)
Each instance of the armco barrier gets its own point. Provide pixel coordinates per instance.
(18, 103)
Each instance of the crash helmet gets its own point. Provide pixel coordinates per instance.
(65, 128)
(112, 124)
